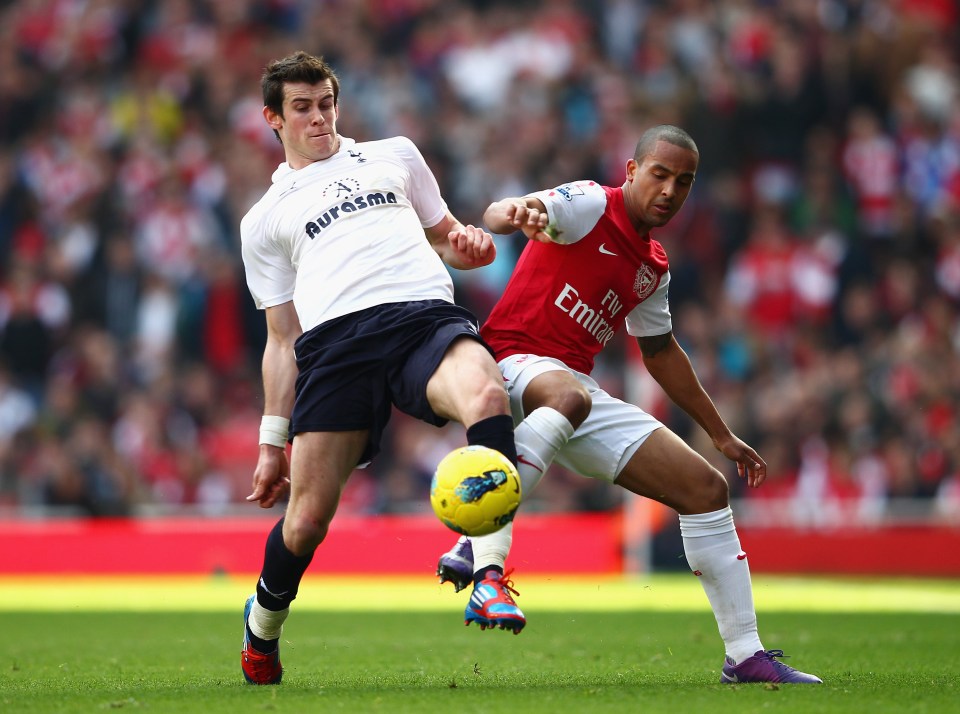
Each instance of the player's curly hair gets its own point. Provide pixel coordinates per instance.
(663, 132)
(297, 67)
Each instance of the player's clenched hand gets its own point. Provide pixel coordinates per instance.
(474, 246)
(749, 464)
(271, 479)
(531, 221)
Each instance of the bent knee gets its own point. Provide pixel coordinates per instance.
(712, 493)
(303, 534)
(575, 405)
(490, 399)
(572, 400)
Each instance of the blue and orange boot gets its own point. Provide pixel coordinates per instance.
(491, 604)
(258, 668)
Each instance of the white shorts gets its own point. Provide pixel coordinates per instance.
(604, 443)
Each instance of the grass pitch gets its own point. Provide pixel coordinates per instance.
(399, 646)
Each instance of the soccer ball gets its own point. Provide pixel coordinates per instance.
(475, 490)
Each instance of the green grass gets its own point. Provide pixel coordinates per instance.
(371, 661)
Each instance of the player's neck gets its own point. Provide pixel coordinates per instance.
(298, 161)
(641, 227)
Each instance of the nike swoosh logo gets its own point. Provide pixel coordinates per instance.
(603, 249)
(528, 463)
(276, 595)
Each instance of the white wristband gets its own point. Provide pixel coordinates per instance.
(274, 430)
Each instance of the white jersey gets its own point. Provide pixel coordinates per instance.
(347, 233)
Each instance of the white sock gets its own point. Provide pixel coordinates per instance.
(539, 437)
(713, 552)
(266, 624)
(492, 549)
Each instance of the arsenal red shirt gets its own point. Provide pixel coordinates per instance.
(566, 299)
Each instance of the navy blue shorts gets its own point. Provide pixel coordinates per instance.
(355, 367)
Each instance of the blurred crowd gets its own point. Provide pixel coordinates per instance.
(816, 265)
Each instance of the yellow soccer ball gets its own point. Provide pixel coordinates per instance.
(475, 490)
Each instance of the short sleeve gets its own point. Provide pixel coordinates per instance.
(573, 209)
(652, 316)
(424, 191)
(271, 276)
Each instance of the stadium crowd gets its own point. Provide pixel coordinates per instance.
(816, 265)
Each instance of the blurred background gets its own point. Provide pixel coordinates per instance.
(816, 265)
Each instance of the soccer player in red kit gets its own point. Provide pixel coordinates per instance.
(591, 267)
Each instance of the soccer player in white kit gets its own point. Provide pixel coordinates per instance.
(590, 268)
(345, 254)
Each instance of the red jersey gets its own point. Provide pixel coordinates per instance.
(568, 298)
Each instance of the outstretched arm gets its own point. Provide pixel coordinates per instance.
(459, 246)
(271, 479)
(528, 215)
(669, 365)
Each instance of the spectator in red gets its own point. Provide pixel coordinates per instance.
(870, 164)
(760, 278)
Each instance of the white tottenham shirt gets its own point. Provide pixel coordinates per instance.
(347, 233)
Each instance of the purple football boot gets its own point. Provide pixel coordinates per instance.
(456, 565)
(764, 667)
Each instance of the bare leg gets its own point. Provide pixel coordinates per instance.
(320, 465)
(667, 470)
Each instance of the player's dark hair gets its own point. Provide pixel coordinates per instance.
(664, 132)
(298, 67)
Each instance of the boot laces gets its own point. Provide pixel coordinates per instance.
(507, 584)
(781, 667)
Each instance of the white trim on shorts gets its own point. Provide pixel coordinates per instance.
(609, 437)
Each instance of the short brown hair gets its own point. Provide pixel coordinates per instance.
(298, 67)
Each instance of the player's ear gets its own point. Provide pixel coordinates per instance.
(632, 167)
(274, 120)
